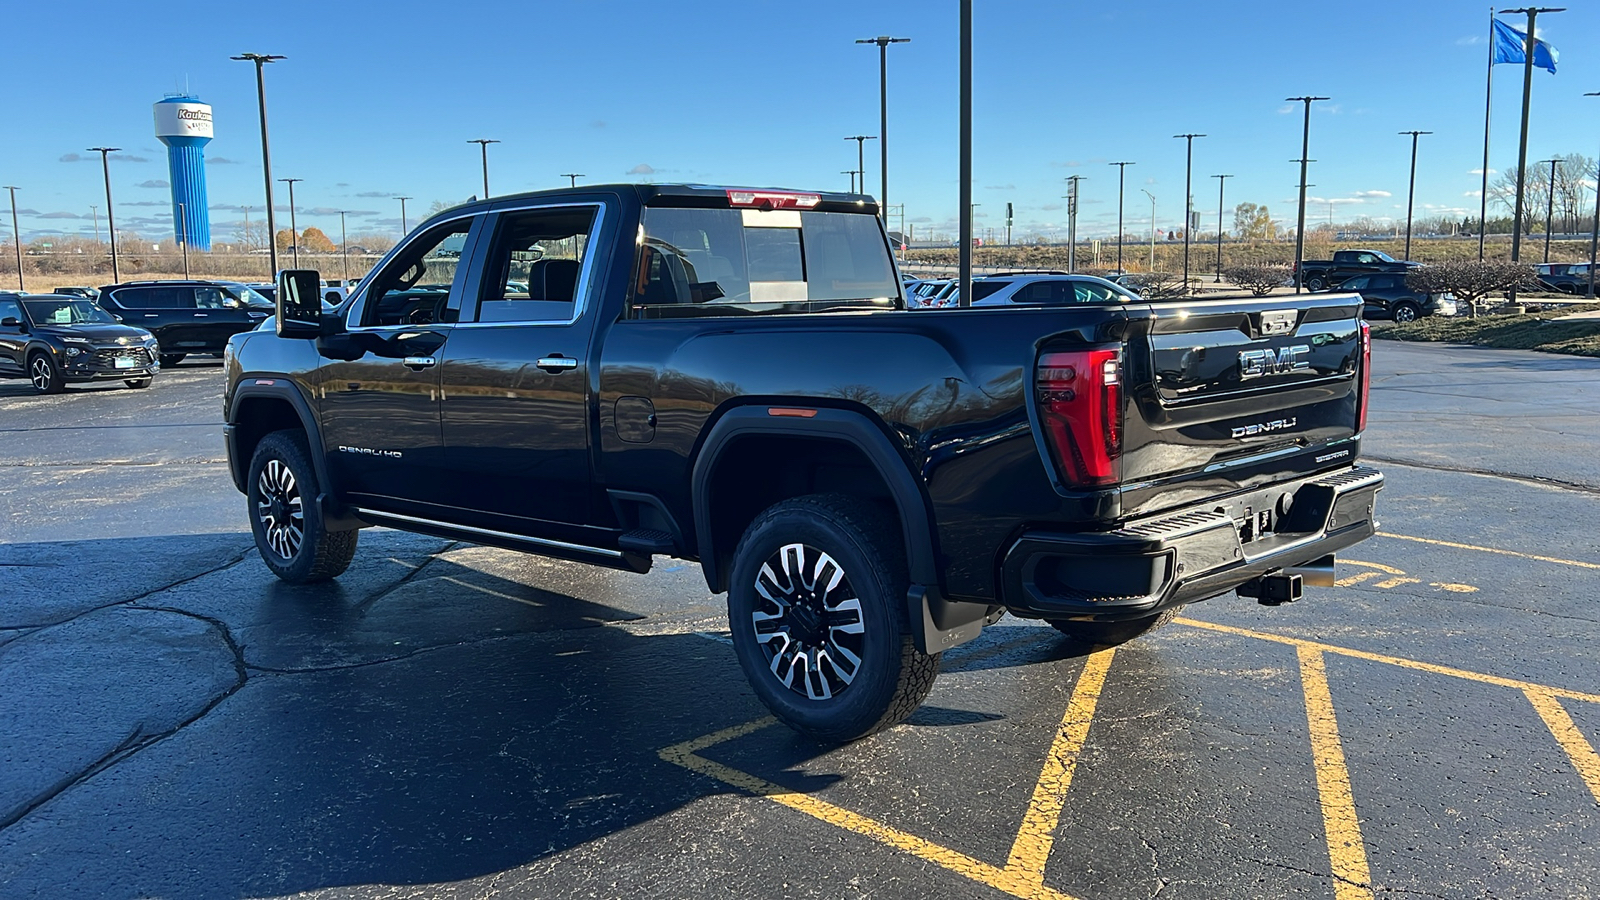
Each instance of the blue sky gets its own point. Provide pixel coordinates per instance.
(377, 100)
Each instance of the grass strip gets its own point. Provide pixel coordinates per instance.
(1549, 331)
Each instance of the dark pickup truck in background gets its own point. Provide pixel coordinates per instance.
(606, 374)
(1325, 274)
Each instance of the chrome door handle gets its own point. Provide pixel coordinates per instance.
(556, 363)
(418, 363)
(202, 315)
(152, 315)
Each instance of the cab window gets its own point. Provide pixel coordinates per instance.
(10, 310)
(534, 265)
(414, 288)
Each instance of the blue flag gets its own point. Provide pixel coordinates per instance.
(1509, 44)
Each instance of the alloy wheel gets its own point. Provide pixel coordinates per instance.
(808, 623)
(280, 509)
(40, 373)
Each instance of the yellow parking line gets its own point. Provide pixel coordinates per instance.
(1566, 732)
(490, 591)
(1396, 661)
(1396, 582)
(1436, 543)
(685, 754)
(1346, 851)
(1356, 579)
(1036, 837)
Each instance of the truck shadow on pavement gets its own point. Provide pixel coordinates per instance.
(442, 712)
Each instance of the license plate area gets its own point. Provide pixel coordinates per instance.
(125, 362)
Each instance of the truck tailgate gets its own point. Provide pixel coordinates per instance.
(1228, 395)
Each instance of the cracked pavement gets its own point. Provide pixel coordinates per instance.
(448, 720)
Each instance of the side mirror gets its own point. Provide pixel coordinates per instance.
(10, 322)
(298, 304)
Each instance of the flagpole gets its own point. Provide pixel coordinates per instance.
(1488, 94)
(1529, 43)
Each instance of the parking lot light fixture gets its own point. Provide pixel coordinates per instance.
(1221, 180)
(111, 219)
(1122, 170)
(1305, 157)
(260, 59)
(16, 235)
(1594, 233)
(1188, 200)
(483, 144)
(1411, 193)
(1550, 209)
(883, 41)
(294, 231)
(403, 228)
(861, 160)
(1152, 228)
(344, 250)
(852, 174)
(573, 176)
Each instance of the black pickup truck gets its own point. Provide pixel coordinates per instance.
(1325, 274)
(608, 374)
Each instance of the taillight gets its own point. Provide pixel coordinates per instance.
(773, 199)
(1366, 376)
(1080, 405)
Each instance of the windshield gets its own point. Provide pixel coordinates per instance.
(1383, 256)
(721, 261)
(61, 311)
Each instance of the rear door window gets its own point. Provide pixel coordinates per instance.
(156, 298)
(982, 289)
(721, 261)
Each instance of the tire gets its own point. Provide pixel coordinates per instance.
(137, 383)
(45, 374)
(287, 522)
(1316, 283)
(168, 360)
(860, 613)
(1405, 312)
(1110, 634)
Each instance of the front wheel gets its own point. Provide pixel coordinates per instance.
(1316, 283)
(1110, 634)
(45, 374)
(136, 383)
(817, 613)
(1405, 312)
(294, 541)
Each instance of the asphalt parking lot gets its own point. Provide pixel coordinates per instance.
(449, 720)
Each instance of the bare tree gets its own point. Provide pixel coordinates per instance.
(1258, 278)
(1470, 280)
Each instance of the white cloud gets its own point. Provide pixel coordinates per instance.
(1371, 194)
(1480, 172)
(642, 169)
(1472, 193)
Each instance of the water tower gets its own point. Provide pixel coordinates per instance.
(183, 123)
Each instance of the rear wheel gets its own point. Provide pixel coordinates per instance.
(817, 612)
(294, 541)
(45, 374)
(1109, 634)
(137, 383)
(1316, 283)
(1406, 312)
(169, 360)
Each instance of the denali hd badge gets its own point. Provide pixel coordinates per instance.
(1255, 363)
(1264, 427)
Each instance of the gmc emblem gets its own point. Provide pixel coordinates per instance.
(1255, 363)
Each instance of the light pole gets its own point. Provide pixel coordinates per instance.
(1122, 170)
(1072, 222)
(294, 232)
(260, 59)
(852, 174)
(111, 219)
(94, 211)
(964, 142)
(573, 176)
(861, 160)
(1528, 45)
(1594, 235)
(403, 228)
(16, 235)
(483, 144)
(344, 250)
(1188, 200)
(1411, 193)
(1305, 157)
(1221, 180)
(1550, 209)
(1152, 228)
(883, 42)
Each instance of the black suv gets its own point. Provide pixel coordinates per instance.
(187, 316)
(53, 339)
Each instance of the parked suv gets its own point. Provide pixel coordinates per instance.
(54, 339)
(1388, 297)
(186, 316)
(1047, 290)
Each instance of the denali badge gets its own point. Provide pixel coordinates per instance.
(1255, 363)
(1264, 427)
(368, 451)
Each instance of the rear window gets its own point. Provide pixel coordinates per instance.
(733, 261)
(982, 289)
